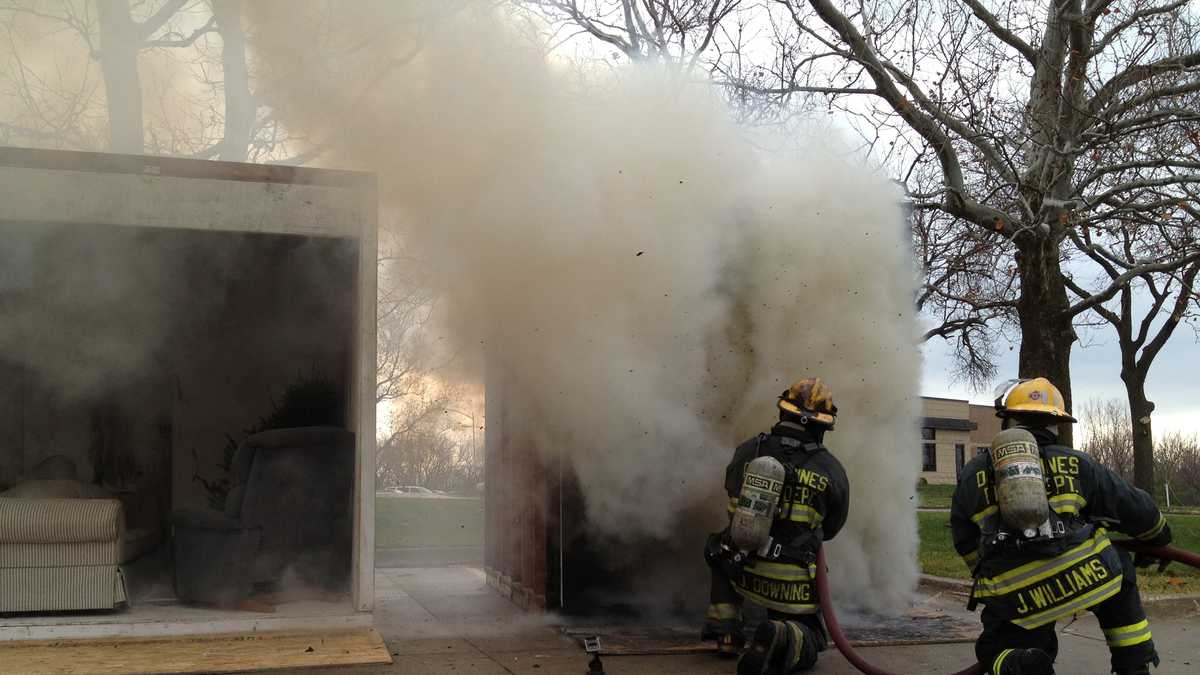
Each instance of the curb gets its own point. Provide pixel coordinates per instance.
(1169, 601)
(945, 583)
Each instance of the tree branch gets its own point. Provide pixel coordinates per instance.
(1164, 332)
(1149, 97)
(1099, 309)
(1148, 319)
(951, 327)
(796, 89)
(571, 8)
(1137, 74)
(209, 27)
(1142, 184)
(1111, 34)
(957, 202)
(1157, 163)
(1005, 35)
(160, 18)
(1122, 280)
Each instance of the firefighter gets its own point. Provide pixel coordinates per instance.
(811, 508)
(1027, 583)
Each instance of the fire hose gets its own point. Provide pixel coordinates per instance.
(843, 645)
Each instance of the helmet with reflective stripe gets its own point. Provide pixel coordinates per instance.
(811, 400)
(1031, 396)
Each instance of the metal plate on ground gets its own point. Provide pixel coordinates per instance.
(917, 626)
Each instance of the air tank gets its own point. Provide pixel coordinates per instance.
(758, 502)
(1020, 485)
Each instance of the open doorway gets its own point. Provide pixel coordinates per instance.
(429, 499)
(150, 381)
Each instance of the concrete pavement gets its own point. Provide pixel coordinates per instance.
(443, 621)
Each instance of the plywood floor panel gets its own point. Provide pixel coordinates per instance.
(227, 653)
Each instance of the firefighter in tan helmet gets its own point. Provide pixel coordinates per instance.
(1027, 580)
(787, 494)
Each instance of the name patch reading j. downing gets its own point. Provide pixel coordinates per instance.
(779, 591)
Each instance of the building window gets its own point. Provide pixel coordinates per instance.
(928, 450)
(982, 449)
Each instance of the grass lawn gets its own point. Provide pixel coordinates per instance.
(936, 554)
(418, 521)
(935, 496)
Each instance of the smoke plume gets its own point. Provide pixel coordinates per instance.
(648, 279)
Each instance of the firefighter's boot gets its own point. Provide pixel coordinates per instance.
(778, 648)
(1022, 662)
(1139, 670)
(723, 624)
(769, 639)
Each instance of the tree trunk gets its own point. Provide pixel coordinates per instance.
(1140, 410)
(1046, 331)
(239, 104)
(119, 47)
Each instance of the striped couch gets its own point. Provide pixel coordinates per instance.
(60, 554)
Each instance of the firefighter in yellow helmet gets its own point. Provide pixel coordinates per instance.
(1028, 581)
(809, 506)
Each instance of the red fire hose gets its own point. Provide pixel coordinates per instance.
(843, 645)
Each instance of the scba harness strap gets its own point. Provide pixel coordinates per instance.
(1053, 574)
(996, 537)
(798, 547)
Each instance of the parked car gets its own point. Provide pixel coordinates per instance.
(410, 491)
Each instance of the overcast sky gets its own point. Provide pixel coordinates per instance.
(1174, 383)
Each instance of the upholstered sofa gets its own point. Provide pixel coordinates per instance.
(59, 554)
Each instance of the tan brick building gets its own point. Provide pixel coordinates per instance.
(952, 432)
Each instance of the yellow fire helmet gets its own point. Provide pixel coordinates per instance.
(1035, 396)
(811, 400)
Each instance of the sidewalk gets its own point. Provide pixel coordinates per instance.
(443, 621)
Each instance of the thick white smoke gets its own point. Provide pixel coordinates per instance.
(649, 278)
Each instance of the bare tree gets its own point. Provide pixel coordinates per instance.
(1021, 116)
(1177, 462)
(670, 31)
(407, 354)
(239, 102)
(1108, 433)
(200, 42)
(121, 39)
(1145, 242)
(1141, 336)
(1110, 439)
(430, 443)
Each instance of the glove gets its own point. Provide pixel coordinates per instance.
(720, 554)
(1141, 560)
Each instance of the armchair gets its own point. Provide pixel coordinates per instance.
(290, 505)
